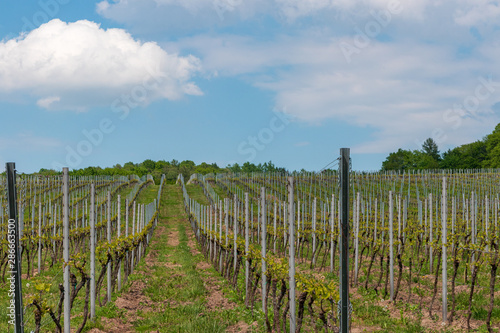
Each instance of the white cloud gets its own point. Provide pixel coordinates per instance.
(180, 15)
(102, 6)
(196, 13)
(47, 102)
(399, 86)
(294, 9)
(231, 55)
(77, 65)
(474, 12)
(399, 92)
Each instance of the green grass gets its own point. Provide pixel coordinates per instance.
(148, 194)
(195, 192)
(179, 292)
(220, 192)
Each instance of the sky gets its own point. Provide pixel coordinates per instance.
(99, 83)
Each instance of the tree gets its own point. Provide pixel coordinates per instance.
(424, 161)
(480, 154)
(149, 164)
(205, 168)
(400, 160)
(248, 167)
(468, 156)
(161, 164)
(492, 142)
(281, 170)
(129, 166)
(186, 168)
(234, 168)
(452, 159)
(171, 174)
(170, 169)
(269, 167)
(47, 172)
(430, 148)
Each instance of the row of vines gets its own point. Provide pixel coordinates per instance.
(428, 240)
(122, 229)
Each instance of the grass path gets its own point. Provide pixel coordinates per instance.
(174, 289)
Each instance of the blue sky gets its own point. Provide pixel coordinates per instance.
(98, 83)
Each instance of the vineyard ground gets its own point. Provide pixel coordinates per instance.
(51, 274)
(375, 313)
(174, 289)
(210, 305)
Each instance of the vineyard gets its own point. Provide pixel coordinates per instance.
(423, 246)
(410, 232)
(108, 234)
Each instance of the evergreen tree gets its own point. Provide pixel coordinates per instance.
(430, 148)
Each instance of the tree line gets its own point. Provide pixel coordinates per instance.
(483, 153)
(171, 169)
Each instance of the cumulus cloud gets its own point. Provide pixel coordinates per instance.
(401, 93)
(181, 16)
(195, 13)
(79, 65)
(472, 12)
(398, 94)
(223, 11)
(46, 102)
(400, 84)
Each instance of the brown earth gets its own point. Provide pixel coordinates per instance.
(242, 327)
(173, 238)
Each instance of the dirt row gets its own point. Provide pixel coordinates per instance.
(134, 299)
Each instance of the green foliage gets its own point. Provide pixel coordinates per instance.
(248, 167)
(425, 161)
(427, 158)
(492, 143)
(468, 156)
(400, 160)
(149, 164)
(170, 169)
(156, 169)
(205, 168)
(234, 168)
(48, 172)
(430, 148)
(476, 155)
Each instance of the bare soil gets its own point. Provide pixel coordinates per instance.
(173, 238)
(242, 327)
